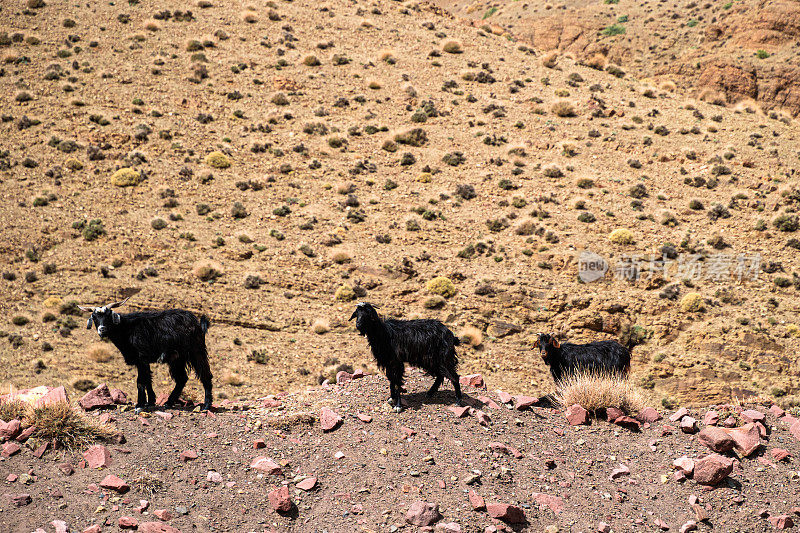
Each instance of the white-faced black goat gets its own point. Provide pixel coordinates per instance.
(426, 344)
(174, 336)
(565, 359)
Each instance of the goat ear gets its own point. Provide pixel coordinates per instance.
(536, 343)
(355, 313)
(115, 317)
(89, 323)
(555, 343)
(117, 304)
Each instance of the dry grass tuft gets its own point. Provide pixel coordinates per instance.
(563, 108)
(233, 379)
(149, 484)
(292, 420)
(472, 336)
(594, 391)
(69, 426)
(207, 270)
(99, 352)
(550, 59)
(321, 326)
(15, 410)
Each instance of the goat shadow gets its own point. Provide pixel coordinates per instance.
(416, 400)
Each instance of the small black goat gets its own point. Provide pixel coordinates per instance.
(174, 336)
(564, 360)
(425, 344)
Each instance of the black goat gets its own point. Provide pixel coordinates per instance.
(564, 360)
(425, 344)
(174, 336)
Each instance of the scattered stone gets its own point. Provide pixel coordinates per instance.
(777, 411)
(509, 514)
(26, 433)
(628, 423)
(684, 464)
(279, 499)
(459, 411)
(751, 415)
(448, 527)
(128, 522)
(729, 422)
(115, 483)
(554, 503)
(40, 450)
(307, 484)
(329, 419)
(9, 430)
(716, 438)
(343, 377)
(747, 439)
(364, 418)
(214, 477)
(259, 443)
(691, 525)
(423, 514)
(577, 415)
(795, 430)
(522, 402)
(712, 469)
(97, 398)
(677, 415)
(188, 455)
(143, 505)
(689, 425)
(483, 418)
(476, 501)
(156, 527)
(10, 448)
(488, 402)
(94, 529)
(602, 527)
(504, 397)
(780, 454)
(648, 415)
(163, 514)
(711, 418)
(17, 500)
(267, 465)
(472, 380)
(781, 521)
(97, 456)
(612, 413)
(66, 469)
(622, 470)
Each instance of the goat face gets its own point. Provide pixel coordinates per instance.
(546, 344)
(103, 317)
(366, 317)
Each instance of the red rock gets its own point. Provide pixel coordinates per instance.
(679, 475)
(602, 527)
(143, 505)
(307, 484)
(712, 469)
(554, 503)
(128, 522)
(188, 455)
(157, 527)
(483, 418)
(329, 419)
(26, 433)
(60, 526)
(448, 527)
(17, 500)
(661, 524)
(358, 374)
(648, 415)
(93, 529)
(689, 425)
(259, 443)
(9, 430)
(716, 438)
(476, 501)
(407, 432)
(114, 483)
(577, 415)
(12, 478)
(39, 451)
(472, 380)
(751, 415)
(684, 464)
(267, 465)
(524, 402)
(213, 476)
(666, 430)
(677, 415)
(795, 510)
(612, 413)
(628, 423)
(619, 472)
(747, 439)
(459, 411)
(423, 514)
(164, 415)
(777, 411)
(781, 521)
(97, 398)
(270, 402)
(66, 469)
(779, 454)
(163, 514)
(729, 422)
(509, 514)
(711, 418)
(795, 430)
(10, 448)
(343, 377)
(58, 394)
(364, 418)
(279, 499)
(691, 525)
(97, 456)
(504, 396)
(488, 402)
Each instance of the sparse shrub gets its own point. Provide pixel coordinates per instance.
(453, 46)
(218, 160)
(563, 108)
(786, 223)
(621, 236)
(345, 293)
(158, 223)
(552, 171)
(472, 336)
(99, 352)
(125, 177)
(71, 428)
(411, 137)
(238, 210)
(442, 286)
(311, 61)
(692, 302)
(207, 270)
(594, 391)
(614, 29)
(20, 320)
(320, 326)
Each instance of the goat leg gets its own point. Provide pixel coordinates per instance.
(178, 372)
(146, 397)
(435, 387)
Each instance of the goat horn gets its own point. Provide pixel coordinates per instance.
(82, 308)
(117, 304)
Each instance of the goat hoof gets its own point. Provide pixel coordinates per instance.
(398, 408)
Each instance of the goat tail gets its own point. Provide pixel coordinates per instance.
(204, 324)
(456, 340)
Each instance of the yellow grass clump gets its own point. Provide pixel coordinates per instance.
(621, 236)
(218, 160)
(442, 286)
(453, 46)
(15, 410)
(207, 270)
(320, 326)
(99, 352)
(345, 293)
(125, 177)
(233, 379)
(472, 336)
(692, 302)
(563, 108)
(52, 302)
(69, 426)
(594, 391)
